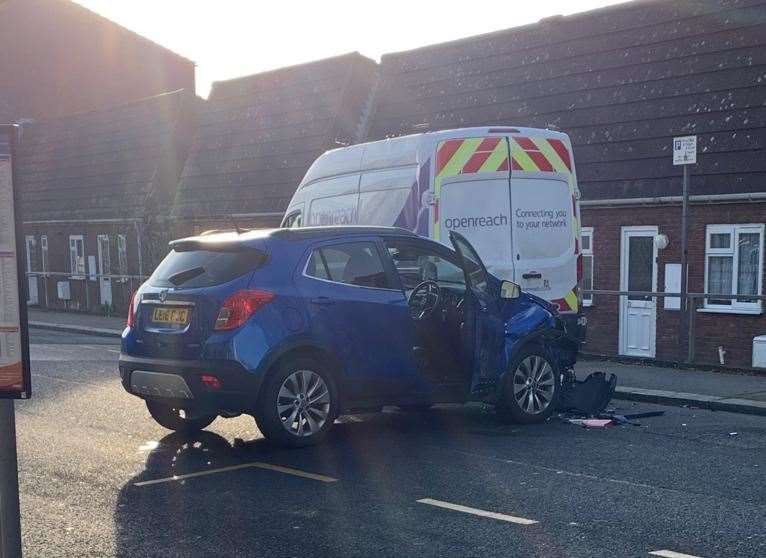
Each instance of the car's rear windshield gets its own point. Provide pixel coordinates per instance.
(204, 268)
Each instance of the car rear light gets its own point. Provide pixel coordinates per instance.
(132, 311)
(211, 382)
(238, 308)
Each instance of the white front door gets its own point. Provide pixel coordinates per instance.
(33, 296)
(104, 268)
(638, 272)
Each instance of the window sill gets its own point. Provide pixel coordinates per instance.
(741, 311)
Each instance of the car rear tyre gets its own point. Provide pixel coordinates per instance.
(531, 389)
(183, 421)
(298, 404)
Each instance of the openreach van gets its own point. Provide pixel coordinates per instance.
(511, 191)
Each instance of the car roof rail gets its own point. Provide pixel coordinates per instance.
(303, 232)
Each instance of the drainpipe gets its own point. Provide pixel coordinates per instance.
(721, 355)
(137, 225)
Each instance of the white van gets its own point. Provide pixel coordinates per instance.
(511, 191)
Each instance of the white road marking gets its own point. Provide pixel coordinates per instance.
(255, 464)
(671, 554)
(475, 511)
(113, 351)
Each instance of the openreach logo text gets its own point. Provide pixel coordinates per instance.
(476, 222)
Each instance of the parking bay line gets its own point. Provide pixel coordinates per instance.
(671, 554)
(475, 511)
(255, 464)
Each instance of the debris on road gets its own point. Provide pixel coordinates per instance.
(590, 396)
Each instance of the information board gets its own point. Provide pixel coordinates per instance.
(14, 337)
(685, 150)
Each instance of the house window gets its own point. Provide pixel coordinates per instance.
(733, 266)
(44, 254)
(77, 256)
(586, 243)
(122, 256)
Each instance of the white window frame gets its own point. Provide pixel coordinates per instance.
(587, 300)
(75, 271)
(736, 307)
(44, 254)
(122, 257)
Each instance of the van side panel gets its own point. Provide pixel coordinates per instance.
(332, 201)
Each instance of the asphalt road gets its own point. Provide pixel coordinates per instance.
(97, 480)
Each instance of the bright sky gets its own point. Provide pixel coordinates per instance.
(232, 38)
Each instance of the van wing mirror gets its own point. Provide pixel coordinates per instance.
(509, 289)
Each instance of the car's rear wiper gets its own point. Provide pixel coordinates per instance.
(186, 275)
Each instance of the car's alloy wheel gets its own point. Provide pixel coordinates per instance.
(531, 389)
(534, 384)
(297, 403)
(303, 403)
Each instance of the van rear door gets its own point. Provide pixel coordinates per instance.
(472, 198)
(544, 218)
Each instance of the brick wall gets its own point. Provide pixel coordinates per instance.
(85, 293)
(734, 332)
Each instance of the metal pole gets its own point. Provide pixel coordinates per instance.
(684, 306)
(692, 306)
(10, 522)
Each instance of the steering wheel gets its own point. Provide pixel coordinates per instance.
(424, 299)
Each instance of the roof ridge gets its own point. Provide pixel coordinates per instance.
(555, 18)
(127, 29)
(354, 53)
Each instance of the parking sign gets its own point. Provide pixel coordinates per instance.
(14, 339)
(685, 150)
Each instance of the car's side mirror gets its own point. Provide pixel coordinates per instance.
(509, 289)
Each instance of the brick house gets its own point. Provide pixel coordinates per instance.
(89, 150)
(258, 135)
(58, 58)
(96, 188)
(622, 82)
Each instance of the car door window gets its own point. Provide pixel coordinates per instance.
(356, 263)
(477, 275)
(416, 264)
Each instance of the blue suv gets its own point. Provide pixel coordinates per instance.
(297, 326)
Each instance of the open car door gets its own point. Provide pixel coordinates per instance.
(482, 329)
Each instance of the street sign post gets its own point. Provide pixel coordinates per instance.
(684, 154)
(14, 345)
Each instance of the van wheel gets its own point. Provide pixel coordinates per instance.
(297, 404)
(531, 388)
(184, 421)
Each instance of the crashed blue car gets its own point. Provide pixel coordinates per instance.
(298, 326)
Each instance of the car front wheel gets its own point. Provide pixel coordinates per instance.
(298, 404)
(531, 389)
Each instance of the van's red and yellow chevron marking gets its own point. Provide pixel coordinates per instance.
(540, 154)
(473, 155)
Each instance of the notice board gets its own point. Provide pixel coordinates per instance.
(14, 335)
